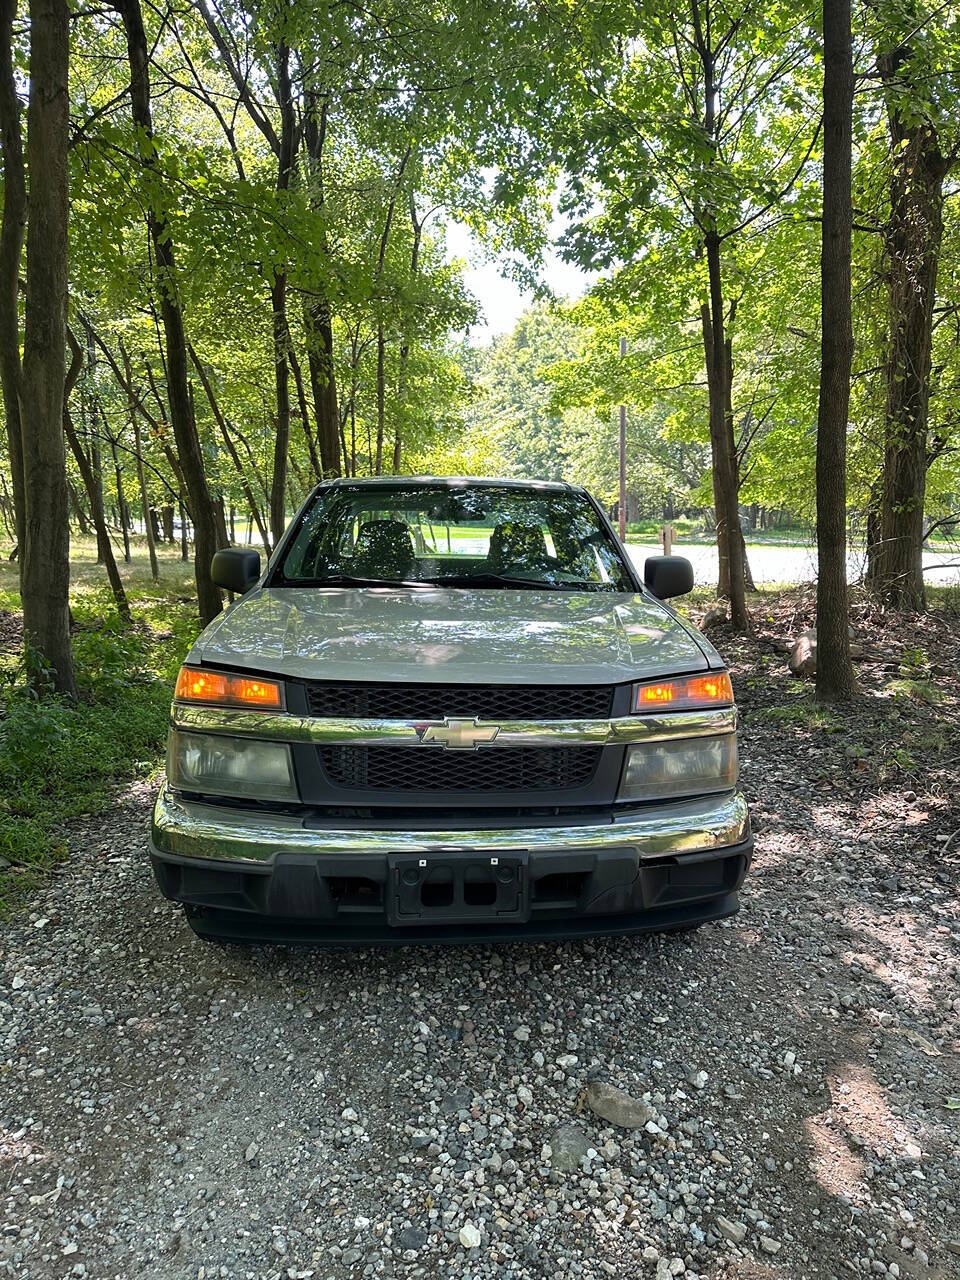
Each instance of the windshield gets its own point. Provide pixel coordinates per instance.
(466, 535)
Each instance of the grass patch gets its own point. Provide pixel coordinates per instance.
(916, 690)
(802, 711)
(693, 533)
(59, 759)
(946, 599)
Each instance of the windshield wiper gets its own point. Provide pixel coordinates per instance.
(501, 580)
(349, 580)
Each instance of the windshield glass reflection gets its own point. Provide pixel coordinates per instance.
(467, 536)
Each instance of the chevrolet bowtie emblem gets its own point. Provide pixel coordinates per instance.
(459, 735)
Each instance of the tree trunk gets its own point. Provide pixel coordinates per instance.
(278, 300)
(304, 411)
(148, 516)
(6, 509)
(416, 227)
(912, 249)
(221, 422)
(12, 230)
(121, 503)
(317, 318)
(145, 507)
(95, 498)
(278, 485)
(835, 678)
(83, 525)
(167, 519)
(725, 477)
(748, 582)
(381, 336)
(181, 412)
(718, 359)
(45, 569)
(89, 412)
(318, 324)
(874, 530)
(381, 396)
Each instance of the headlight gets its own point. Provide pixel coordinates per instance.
(225, 766)
(686, 767)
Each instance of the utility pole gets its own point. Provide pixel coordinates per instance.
(623, 458)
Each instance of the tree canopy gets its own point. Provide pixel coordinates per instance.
(258, 291)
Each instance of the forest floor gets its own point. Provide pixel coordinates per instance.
(174, 1110)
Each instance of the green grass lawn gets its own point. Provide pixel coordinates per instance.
(60, 759)
(692, 533)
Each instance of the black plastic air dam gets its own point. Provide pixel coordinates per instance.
(347, 901)
(224, 926)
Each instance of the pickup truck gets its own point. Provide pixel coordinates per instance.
(450, 710)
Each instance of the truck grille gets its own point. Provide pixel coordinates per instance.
(426, 770)
(387, 701)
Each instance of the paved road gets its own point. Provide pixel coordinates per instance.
(793, 564)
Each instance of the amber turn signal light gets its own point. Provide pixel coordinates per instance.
(713, 690)
(196, 685)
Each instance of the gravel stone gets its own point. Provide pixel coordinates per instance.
(616, 1106)
(412, 1238)
(469, 1236)
(568, 1148)
(733, 1231)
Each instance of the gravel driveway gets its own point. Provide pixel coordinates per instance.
(170, 1109)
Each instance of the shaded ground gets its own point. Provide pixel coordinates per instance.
(173, 1110)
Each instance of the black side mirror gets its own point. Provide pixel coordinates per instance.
(668, 576)
(235, 569)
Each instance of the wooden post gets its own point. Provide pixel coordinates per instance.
(666, 537)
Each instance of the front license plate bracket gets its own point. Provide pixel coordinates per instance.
(456, 886)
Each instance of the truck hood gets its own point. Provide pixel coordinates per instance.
(452, 636)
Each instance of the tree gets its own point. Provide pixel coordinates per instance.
(684, 131)
(37, 384)
(913, 61)
(835, 679)
(12, 232)
(190, 456)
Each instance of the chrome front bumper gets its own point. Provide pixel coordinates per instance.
(185, 830)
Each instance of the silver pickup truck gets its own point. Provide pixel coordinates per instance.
(449, 710)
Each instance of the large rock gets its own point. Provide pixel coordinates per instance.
(802, 659)
(803, 653)
(716, 616)
(617, 1107)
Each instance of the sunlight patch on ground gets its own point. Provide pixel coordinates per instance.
(16, 1146)
(892, 949)
(837, 1169)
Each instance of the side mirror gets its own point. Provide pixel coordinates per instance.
(668, 576)
(235, 569)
